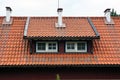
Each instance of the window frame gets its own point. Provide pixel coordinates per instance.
(76, 47)
(47, 47)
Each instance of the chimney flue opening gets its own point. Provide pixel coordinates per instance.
(8, 9)
(107, 10)
(59, 9)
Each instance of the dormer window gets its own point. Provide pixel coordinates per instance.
(46, 47)
(76, 46)
(67, 46)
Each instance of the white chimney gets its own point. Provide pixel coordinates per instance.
(107, 15)
(8, 14)
(60, 23)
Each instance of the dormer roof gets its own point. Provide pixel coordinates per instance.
(76, 27)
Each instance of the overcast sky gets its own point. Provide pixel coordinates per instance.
(49, 7)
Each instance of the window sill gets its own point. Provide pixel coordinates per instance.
(45, 52)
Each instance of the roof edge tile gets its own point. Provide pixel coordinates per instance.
(93, 27)
(26, 26)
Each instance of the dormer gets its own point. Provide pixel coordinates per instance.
(74, 38)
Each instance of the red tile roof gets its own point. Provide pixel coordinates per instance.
(45, 27)
(14, 50)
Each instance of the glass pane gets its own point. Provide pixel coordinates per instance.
(41, 46)
(81, 46)
(71, 46)
(52, 46)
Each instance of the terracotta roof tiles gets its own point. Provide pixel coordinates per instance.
(45, 27)
(14, 50)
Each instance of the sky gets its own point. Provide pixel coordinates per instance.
(49, 7)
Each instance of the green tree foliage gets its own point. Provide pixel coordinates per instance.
(114, 13)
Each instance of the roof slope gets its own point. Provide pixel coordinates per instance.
(107, 48)
(45, 27)
(14, 50)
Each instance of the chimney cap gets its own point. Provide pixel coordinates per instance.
(107, 10)
(8, 8)
(59, 9)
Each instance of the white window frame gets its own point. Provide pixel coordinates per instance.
(76, 50)
(47, 47)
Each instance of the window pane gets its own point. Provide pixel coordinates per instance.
(71, 46)
(52, 46)
(81, 46)
(41, 46)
